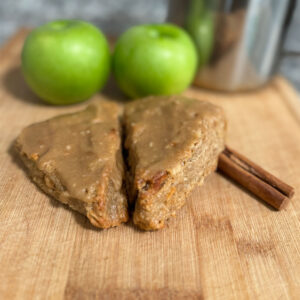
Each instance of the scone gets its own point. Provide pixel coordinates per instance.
(172, 144)
(77, 159)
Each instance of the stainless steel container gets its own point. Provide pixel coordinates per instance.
(238, 41)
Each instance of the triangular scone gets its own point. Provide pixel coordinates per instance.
(172, 144)
(77, 159)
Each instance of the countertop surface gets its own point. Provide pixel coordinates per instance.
(112, 15)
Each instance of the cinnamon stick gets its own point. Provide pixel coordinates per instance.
(255, 179)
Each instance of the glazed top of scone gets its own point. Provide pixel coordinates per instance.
(162, 131)
(80, 148)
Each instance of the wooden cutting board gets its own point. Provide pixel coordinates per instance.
(224, 244)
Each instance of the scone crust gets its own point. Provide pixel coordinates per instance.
(172, 143)
(77, 159)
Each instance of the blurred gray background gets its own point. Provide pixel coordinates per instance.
(111, 15)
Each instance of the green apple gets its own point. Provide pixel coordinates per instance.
(200, 25)
(65, 61)
(157, 59)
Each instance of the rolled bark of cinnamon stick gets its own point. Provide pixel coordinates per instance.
(255, 179)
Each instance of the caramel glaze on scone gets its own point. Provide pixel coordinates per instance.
(77, 159)
(172, 143)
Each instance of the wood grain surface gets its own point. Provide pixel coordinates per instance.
(224, 244)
